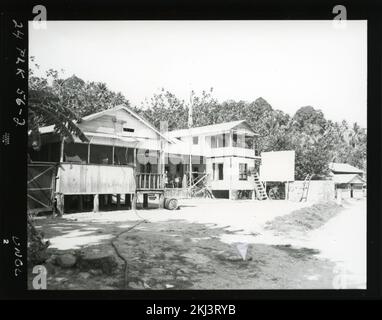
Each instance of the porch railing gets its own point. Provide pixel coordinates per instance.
(150, 181)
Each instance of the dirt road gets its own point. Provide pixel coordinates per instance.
(196, 248)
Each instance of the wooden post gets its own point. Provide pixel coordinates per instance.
(89, 152)
(145, 200)
(62, 150)
(80, 203)
(128, 200)
(118, 201)
(287, 190)
(96, 203)
(134, 201)
(60, 204)
(161, 200)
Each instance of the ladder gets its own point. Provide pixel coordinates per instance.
(305, 187)
(259, 188)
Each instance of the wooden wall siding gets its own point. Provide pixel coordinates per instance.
(96, 179)
(106, 124)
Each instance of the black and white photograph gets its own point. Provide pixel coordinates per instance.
(197, 155)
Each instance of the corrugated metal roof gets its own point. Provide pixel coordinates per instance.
(343, 167)
(213, 128)
(348, 178)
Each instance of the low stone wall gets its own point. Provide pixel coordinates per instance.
(319, 190)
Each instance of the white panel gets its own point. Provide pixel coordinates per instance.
(277, 166)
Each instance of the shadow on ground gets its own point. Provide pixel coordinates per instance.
(175, 255)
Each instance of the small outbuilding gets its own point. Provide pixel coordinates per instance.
(348, 180)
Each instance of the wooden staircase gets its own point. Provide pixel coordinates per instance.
(259, 188)
(305, 187)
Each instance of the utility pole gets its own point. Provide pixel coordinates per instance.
(190, 122)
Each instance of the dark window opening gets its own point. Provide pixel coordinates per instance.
(123, 156)
(217, 169)
(49, 152)
(101, 154)
(76, 152)
(243, 171)
(195, 140)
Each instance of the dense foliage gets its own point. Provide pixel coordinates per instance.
(316, 140)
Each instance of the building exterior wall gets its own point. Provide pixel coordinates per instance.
(319, 190)
(231, 179)
(95, 179)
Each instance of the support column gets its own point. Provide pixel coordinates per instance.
(161, 200)
(134, 201)
(80, 203)
(128, 200)
(96, 203)
(118, 201)
(60, 204)
(145, 200)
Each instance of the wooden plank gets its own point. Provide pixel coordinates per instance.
(96, 179)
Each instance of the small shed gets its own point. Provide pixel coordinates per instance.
(351, 185)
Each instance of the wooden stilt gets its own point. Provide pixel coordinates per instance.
(60, 204)
(161, 200)
(134, 201)
(128, 200)
(118, 201)
(96, 203)
(145, 200)
(80, 203)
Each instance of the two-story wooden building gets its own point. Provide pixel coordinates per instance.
(226, 152)
(127, 158)
(124, 156)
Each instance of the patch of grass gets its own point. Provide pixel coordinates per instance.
(297, 253)
(305, 219)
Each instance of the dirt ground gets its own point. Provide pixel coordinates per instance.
(191, 248)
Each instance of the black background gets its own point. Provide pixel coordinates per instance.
(13, 156)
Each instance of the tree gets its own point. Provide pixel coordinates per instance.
(55, 100)
(317, 141)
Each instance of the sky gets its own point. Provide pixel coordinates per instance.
(288, 63)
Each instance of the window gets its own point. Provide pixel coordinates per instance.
(213, 142)
(234, 140)
(123, 156)
(195, 140)
(239, 140)
(243, 171)
(219, 141)
(76, 152)
(248, 142)
(101, 154)
(125, 128)
(217, 170)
